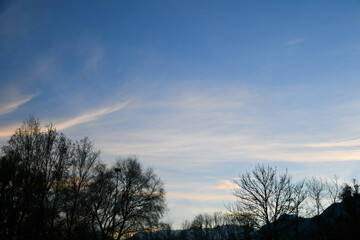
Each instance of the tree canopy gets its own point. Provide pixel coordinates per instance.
(54, 188)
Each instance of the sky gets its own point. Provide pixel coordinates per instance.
(201, 91)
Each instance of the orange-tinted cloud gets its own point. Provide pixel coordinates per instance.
(226, 184)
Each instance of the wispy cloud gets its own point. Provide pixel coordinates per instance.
(83, 118)
(199, 196)
(42, 65)
(9, 107)
(94, 59)
(225, 184)
(242, 125)
(197, 148)
(295, 41)
(90, 116)
(345, 143)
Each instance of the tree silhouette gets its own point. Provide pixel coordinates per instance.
(266, 195)
(74, 197)
(36, 161)
(53, 188)
(126, 201)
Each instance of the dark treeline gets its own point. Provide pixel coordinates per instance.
(55, 188)
(272, 206)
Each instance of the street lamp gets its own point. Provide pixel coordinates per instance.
(117, 171)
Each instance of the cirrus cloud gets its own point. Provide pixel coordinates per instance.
(9, 107)
(226, 184)
(90, 116)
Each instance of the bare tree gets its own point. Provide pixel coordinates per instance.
(333, 189)
(197, 227)
(100, 205)
(185, 227)
(209, 226)
(53, 188)
(220, 220)
(243, 223)
(267, 195)
(316, 189)
(317, 193)
(126, 198)
(74, 197)
(299, 196)
(37, 161)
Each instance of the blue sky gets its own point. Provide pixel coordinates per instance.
(199, 90)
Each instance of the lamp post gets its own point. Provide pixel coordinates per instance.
(117, 171)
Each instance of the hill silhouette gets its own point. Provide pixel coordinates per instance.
(336, 222)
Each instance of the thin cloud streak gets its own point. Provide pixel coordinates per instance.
(84, 118)
(295, 41)
(349, 143)
(90, 116)
(215, 127)
(199, 197)
(216, 147)
(93, 61)
(12, 106)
